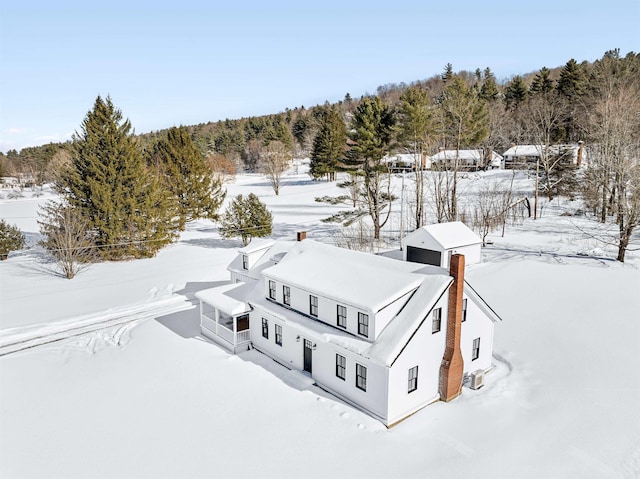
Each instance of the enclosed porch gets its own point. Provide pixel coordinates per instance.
(224, 318)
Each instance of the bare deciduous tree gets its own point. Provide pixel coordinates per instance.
(67, 237)
(614, 126)
(275, 158)
(542, 116)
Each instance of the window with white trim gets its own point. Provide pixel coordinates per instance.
(313, 305)
(341, 366)
(475, 353)
(342, 316)
(245, 261)
(413, 379)
(464, 309)
(265, 328)
(272, 289)
(436, 320)
(278, 335)
(361, 377)
(363, 324)
(286, 295)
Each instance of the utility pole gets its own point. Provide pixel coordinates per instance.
(402, 209)
(535, 203)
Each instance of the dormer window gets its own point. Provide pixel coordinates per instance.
(245, 262)
(272, 290)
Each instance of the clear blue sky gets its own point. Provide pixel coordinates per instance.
(187, 62)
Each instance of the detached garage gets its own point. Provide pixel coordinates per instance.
(434, 244)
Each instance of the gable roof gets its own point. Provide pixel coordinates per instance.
(271, 253)
(393, 339)
(362, 280)
(468, 155)
(524, 150)
(448, 235)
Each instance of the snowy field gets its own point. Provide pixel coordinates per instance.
(147, 397)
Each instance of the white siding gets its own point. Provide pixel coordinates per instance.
(327, 308)
(291, 353)
(424, 350)
(477, 325)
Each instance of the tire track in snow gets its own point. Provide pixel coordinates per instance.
(18, 339)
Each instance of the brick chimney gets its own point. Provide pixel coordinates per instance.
(302, 235)
(452, 366)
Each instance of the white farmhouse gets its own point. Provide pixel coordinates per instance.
(387, 336)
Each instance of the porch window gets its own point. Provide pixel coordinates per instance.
(341, 366)
(313, 305)
(272, 290)
(475, 353)
(286, 295)
(342, 316)
(413, 379)
(278, 335)
(265, 328)
(245, 261)
(363, 324)
(436, 320)
(361, 377)
(464, 309)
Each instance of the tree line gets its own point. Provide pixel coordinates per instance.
(592, 102)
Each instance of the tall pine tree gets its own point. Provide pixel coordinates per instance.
(329, 143)
(197, 191)
(108, 182)
(371, 134)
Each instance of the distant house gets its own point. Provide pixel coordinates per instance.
(401, 162)
(527, 156)
(468, 159)
(9, 182)
(387, 336)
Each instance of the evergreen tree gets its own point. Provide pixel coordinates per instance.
(489, 89)
(542, 82)
(246, 217)
(10, 239)
(448, 73)
(465, 121)
(572, 82)
(371, 135)
(128, 212)
(416, 132)
(192, 184)
(328, 144)
(515, 93)
(572, 86)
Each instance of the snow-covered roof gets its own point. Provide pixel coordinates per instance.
(466, 155)
(524, 150)
(398, 332)
(229, 298)
(362, 280)
(270, 256)
(432, 284)
(401, 157)
(448, 235)
(256, 244)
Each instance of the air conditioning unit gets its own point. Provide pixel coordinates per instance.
(476, 379)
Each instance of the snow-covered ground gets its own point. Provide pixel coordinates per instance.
(143, 395)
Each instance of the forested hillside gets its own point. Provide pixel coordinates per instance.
(237, 144)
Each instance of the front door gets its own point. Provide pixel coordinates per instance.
(307, 356)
